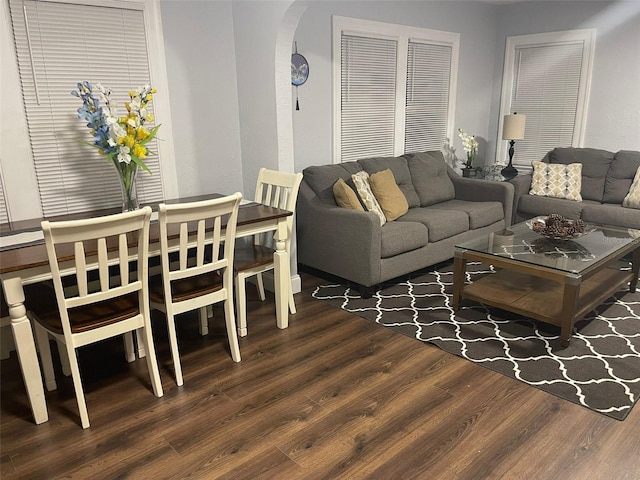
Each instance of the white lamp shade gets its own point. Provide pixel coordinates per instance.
(513, 127)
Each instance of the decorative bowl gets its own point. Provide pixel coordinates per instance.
(570, 228)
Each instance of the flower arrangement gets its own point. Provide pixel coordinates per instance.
(470, 146)
(122, 140)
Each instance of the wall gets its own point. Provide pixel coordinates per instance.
(201, 68)
(613, 115)
(614, 107)
(475, 21)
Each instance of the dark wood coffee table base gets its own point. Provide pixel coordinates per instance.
(551, 296)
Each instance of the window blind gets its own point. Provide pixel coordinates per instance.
(368, 97)
(57, 46)
(546, 89)
(427, 105)
(4, 215)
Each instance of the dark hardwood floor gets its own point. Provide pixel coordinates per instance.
(334, 396)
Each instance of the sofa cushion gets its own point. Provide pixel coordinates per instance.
(345, 196)
(321, 178)
(361, 180)
(441, 223)
(481, 214)
(430, 178)
(390, 197)
(632, 199)
(401, 237)
(400, 169)
(610, 214)
(621, 173)
(595, 165)
(556, 180)
(532, 206)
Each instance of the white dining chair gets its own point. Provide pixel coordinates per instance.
(87, 314)
(276, 189)
(202, 274)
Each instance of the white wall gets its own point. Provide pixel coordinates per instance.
(613, 116)
(201, 69)
(475, 21)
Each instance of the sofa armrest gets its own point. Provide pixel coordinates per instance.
(473, 190)
(522, 185)
(339, 241)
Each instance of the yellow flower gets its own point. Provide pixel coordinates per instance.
(149, 98)
(139, 151)
(142, 133)
(127, 105)
(132, 93)
(121, 140)
(149, 117)
(153, 90)
(129, 141)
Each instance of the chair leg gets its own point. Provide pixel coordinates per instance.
(77, 385)
(129, 353)
(204, 324)
(292, 302)
(64, 359)
(241, 305)
(173, 342)
(260, 286)
(231, 329)
(152, 361)
(42, 337)
(140, 344)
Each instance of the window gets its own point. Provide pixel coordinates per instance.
(394, 88)
(547, 78)
(58, 44)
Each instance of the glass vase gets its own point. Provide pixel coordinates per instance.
(129, 190)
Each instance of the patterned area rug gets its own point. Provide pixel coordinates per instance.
(599, 370)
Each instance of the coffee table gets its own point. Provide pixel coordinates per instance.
(554, 281)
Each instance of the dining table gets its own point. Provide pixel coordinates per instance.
(24, 261)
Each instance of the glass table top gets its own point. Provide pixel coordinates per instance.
(520, 243)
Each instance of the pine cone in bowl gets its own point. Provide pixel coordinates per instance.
(557, 226)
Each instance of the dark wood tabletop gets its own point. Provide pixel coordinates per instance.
(35, 254)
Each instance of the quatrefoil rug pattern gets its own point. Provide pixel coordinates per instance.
(599, 370)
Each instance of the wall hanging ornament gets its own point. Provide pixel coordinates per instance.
(299, 71)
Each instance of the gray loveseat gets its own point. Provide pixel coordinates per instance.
(606, 178)
(444, 209)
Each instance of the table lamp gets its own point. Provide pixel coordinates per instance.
(512, 130)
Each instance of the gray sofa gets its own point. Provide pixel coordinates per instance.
(444, 209)
(606, 178)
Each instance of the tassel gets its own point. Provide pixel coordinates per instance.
(297, 104)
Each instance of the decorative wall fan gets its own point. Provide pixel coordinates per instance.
(299, 71)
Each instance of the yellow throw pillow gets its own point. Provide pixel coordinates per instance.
(361, 181)
(391, 199)
(345, 196)
(632, 199)
(557, 180)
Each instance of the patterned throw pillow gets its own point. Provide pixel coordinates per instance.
(557, 180)
(632, 200)
(361, 181)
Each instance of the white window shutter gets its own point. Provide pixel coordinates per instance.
(4, 214)
(546, 90)
(59, 45)
(427, 106)
(368, 97)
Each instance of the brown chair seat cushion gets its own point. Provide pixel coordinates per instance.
(82, 319)
(186, 288)
(246, 257)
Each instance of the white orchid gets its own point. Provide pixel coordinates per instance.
(470, 146)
